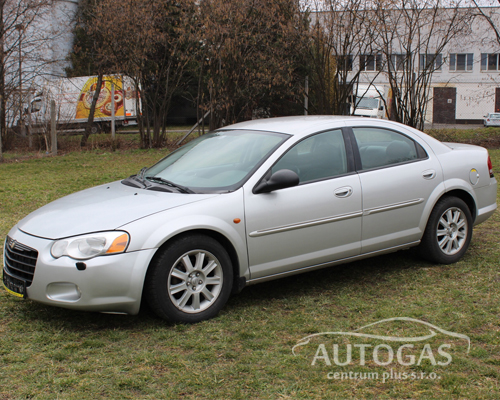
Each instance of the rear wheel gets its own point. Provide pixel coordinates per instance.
(190, 280)
(448, 232)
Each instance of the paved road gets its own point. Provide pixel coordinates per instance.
(452, 126)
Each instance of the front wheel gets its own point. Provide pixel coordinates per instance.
(190, 280)
(448, 232)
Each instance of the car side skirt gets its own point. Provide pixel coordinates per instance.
(332, 263)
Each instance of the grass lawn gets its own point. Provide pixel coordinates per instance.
(246, 352)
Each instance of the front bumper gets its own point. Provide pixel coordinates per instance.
(107, 284)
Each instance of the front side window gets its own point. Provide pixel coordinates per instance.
(461, 62)
(318, 157)
(381, 147)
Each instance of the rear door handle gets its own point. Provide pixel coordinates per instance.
(429, 174)
(345, 191)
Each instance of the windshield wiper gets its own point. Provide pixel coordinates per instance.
(136, 180)
(180, 188)
(140, 175)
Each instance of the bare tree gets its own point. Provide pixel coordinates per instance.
(341, 36)
(20, 44)
(86, 58)
(491, 16)
(156, 50)
(413, 36)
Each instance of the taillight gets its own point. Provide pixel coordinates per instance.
(490, 167)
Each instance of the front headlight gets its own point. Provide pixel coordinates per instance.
(92, 245)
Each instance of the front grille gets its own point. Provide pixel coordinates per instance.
(19, 260)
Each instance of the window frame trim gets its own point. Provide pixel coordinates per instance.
(454, 56)
(436, 66)
(486, 57)
(378, 66)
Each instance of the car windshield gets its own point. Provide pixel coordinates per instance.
(368, 102)
(217, 162)
(496, 116)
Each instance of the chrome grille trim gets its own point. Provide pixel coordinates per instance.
(19, 260)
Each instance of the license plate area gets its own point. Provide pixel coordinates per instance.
(14, 286)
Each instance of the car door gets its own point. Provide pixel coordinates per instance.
(397, 177)
(313, 223)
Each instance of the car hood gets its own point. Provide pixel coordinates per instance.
(101, 208)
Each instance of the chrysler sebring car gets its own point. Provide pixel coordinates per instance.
(248, 203)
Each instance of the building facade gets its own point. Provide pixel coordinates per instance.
(465, 83)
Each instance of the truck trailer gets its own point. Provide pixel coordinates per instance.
(73, 100)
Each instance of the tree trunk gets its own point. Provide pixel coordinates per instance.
(90, 121)
(3, 127)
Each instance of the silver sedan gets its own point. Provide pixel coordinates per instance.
(248, 203)
(492, 119)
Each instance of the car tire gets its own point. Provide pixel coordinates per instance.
(190, 280)
(448, 232)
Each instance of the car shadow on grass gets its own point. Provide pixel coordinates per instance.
(359, 273)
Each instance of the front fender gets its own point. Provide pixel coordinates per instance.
(217, 214)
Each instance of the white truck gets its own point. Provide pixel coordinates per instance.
(73, 99)
(368, 101)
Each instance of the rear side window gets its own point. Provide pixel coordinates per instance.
(381, 147)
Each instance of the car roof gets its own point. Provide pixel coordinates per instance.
(305, 124)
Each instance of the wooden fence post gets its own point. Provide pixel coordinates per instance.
(53, 132)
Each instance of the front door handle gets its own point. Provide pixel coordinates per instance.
(342, 192)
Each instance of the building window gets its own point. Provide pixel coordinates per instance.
(344, 63)
(398, 62)
(431, 61)
(489, 62)
(461, 62)
(371, 62)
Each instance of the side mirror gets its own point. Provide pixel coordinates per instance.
(284, 178)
